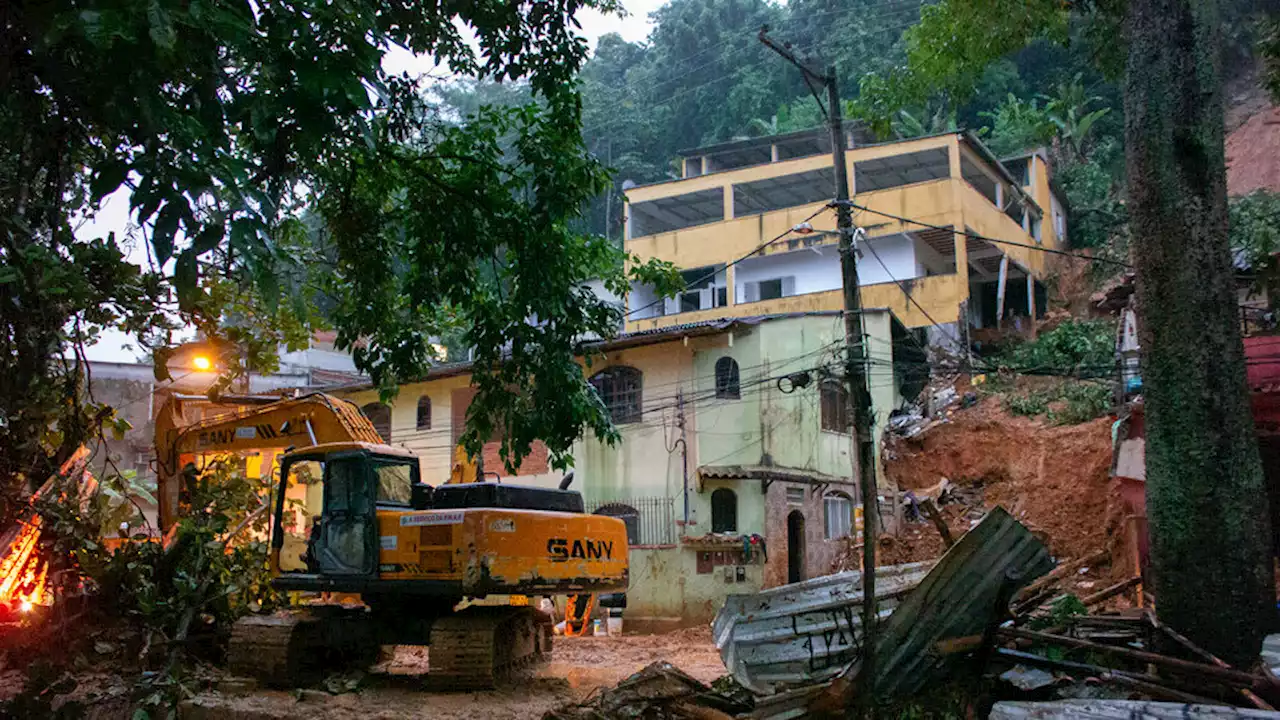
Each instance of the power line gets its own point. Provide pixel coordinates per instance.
(976, 236)
(713, 273)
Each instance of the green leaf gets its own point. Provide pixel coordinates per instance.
(165, 228)
(161, 30)
(109, 177)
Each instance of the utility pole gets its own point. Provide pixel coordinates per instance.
(855, 366)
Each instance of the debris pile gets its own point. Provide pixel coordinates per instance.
(1053, 478)
(992, 613)
(660, 691)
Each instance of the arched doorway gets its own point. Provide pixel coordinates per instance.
(795, 546)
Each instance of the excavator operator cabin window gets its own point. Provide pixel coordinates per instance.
(395, 481)
(724, 511)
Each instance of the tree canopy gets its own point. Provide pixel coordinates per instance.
(282, 180)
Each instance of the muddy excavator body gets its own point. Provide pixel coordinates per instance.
(354, 517)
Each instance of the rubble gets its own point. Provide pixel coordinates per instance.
(660, 691)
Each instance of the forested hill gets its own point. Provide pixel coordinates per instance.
(702, 76)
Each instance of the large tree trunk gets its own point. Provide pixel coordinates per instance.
(1210, 537)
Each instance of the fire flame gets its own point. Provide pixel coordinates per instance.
(23, 572)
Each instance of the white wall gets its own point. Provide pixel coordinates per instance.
(818, 269)
(815, 270)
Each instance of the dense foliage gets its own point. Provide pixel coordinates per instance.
(1255, 234)
(281, 180)
(1082, 347)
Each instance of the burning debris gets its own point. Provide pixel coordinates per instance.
(24, 569)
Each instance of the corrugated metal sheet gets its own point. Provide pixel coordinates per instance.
(958, 598)
(1122, 710)
(806, 632)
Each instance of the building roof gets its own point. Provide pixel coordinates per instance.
(637, 338)
(1253, 154)
(770, 472)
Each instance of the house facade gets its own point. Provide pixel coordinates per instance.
(735, 471)
(929, 268)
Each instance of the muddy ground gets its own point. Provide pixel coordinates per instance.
(578, 668)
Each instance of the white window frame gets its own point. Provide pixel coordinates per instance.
(837, 515)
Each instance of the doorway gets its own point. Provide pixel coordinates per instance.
(795, 546)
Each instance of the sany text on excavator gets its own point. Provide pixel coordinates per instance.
(353, 515)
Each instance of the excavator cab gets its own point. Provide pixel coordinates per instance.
(341, 534)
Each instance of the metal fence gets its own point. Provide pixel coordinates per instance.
(649, 520)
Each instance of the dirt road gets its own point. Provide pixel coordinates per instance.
(396, 690)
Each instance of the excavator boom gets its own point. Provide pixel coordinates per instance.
(248, 424)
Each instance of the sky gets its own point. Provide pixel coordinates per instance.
(114, 213)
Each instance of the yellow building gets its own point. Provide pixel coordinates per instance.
(736, 197)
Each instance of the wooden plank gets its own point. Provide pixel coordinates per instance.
(1110, 592)
(1226, 675)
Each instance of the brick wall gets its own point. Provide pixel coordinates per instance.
(818, 552)
(536, 463)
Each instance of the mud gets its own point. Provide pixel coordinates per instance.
(1054, 479)
(400, 688)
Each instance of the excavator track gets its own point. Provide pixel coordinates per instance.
(300, 647)
(476, 647)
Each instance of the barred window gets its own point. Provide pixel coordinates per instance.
(621, 390)
(380, 416)
(724, 511)
(650, 521)
(835, 407)
(424, 413)
(727, 385)
(629, 517)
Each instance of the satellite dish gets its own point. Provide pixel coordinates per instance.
(628, 184)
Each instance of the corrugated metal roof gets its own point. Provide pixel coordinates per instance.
(956, 599)
(1107, 709)
(806, 632)
(768, 472)
(629, 339)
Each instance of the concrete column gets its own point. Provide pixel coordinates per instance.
(727, 191)
(731, 289)
(957, 218)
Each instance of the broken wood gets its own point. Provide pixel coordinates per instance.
(955, 646)
(1110, 592)
(1229, 676)
(1209, 657)
(1105, 673)
(1062, 570)
(930, 510)
(1161, 692)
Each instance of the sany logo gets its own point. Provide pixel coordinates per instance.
(561, 551)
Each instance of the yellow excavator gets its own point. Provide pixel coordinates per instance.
(351, 515)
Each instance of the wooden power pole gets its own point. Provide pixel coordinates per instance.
(855, 365)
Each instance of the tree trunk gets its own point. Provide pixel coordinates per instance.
(1206, 500)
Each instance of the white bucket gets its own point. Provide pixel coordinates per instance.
(615, 625)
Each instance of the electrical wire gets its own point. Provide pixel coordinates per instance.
(976, 236)
(711, 275)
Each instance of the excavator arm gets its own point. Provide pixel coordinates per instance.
(248, 424)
